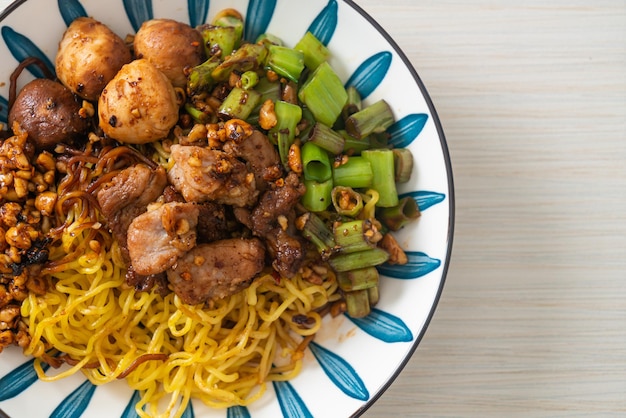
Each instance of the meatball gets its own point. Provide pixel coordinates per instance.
(171, 46)
(49, 112)
(89, 56)
(138, 105)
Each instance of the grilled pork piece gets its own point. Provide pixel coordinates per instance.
(202, 174)
(127, 195)
(261, 156)
(213, 271)
(157, 238)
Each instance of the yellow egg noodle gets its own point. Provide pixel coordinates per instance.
(222, 355)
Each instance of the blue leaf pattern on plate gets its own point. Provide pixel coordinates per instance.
(384, 326)
(424, 198)
(258, 18)
(198, 11)
(4, 109)
(138, 11)
(370, 73)
(70, 10)
(129, 411)
(419, 265)
(406, 130)
(19, 379)
(290, 402)
(21, 48)
(237, 412)
(340, 372)
(324, 25)
(76, 402)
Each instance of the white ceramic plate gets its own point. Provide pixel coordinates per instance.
(351, 361)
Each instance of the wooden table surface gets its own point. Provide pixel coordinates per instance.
(532, 99)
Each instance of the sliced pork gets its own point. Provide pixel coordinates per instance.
(157, 238)
(202, 174)
(128, 195)
(215, 270)
(261, 155)
(276, 202)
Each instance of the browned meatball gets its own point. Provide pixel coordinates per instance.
(49, 112)
(89, 56)
(139, 104)
(171, 46)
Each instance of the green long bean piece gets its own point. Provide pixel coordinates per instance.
(355, 236)
(359, 279)
(398, 216)
(324, 94)
(315, 52)
(317, 196)
(325, 137)
(316, 231)
(358, 303)
(285, 61)
(200, 78)
(315, 163)
(239, 103)
(346, 201)
(375, 118)
(233, 20)
(384, 179)
(403, 162)
(356, 172)
(219, 40)
(247, 57)
(361, 259)
(284, 133)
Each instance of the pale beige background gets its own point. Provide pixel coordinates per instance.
(532, 98)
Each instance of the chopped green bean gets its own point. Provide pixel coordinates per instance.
(285, 61)
(359, 279)
(315, 163)
(249, 80)
(361, 259)
(356, 172)
(247, 57)
(219, 40)
(269, 39)
(230, 20)
(200, 78)
(400, 215)
(324, 94)
(358, 303)
(374, 295)
(375, 118)
(315, 52)
(352, 145)
(283, 134)
(346, 201)
(239, 103)
(325, 137)
(316, 231)
(353, 104)
(198, 115)
(316, 198)
(403, 162)
(355, 236)
(384, 180)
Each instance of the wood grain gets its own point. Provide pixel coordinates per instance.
(532, 98)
